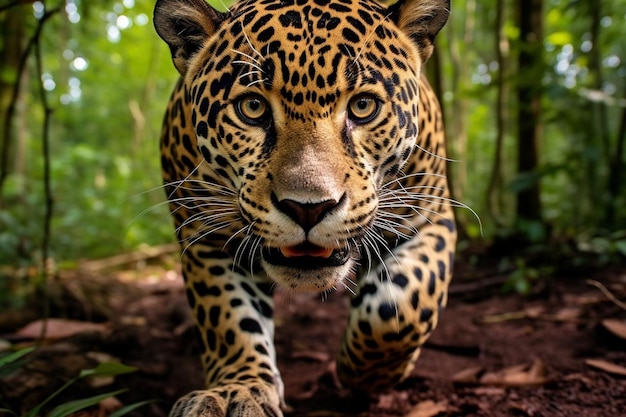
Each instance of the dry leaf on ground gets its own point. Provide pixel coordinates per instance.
(606, 366)
(567, 314)
(428, 408)
(517, 376)
(616, 327)
(469, 375)
(60, 328)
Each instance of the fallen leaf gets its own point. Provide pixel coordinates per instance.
(534, 312)
(606, 366)
(387, 401)
(503, 317)
(517, 376)
(568, 314)
(468, 376)
(490, 391)
(616, 327)
(60, 328)
(428, 408)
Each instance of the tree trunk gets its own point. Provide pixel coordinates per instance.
(457, 127)
(529, 92)
(494, 191)
(11, 49)
(615, 173)
(434, 73)
(598, 107)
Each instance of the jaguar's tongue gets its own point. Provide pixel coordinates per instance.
(306, 249)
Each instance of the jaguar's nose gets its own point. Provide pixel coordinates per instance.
(306, 215)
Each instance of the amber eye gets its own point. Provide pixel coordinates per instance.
(363, 108)
(253, 109)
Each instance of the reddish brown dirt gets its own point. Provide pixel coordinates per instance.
(460, 372)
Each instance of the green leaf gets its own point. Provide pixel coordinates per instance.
(13, 362)
(554, 16)
(560, 38)
(511, 31)
(9, 368)
(71, 407)
(35, 411)
(108, 369)
(15, 356)
(620, 245)
(8, 74)
(125, 410)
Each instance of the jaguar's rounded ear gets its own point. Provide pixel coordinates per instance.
(185, 25)
(421, 20)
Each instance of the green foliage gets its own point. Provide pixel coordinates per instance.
(109, 76)
(71, 407)
(10, 363)
(608, 247)
(523, 277)
(579, 140)
(221, 5)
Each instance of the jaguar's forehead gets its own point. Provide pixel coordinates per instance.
(308, 50)
(311, 21)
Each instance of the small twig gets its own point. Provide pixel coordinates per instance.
(607, 293)
(504, 317)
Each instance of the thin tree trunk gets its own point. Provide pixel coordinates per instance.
(615, 172)
(529, 92)
(434, 71)
(600, 129)
(457, 126)
(11, 61)
(601, 124)
(494, 201)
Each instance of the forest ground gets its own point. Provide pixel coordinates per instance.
(560, 351)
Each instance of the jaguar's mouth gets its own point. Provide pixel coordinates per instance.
(306, 256)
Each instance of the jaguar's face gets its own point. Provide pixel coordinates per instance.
(307, 109)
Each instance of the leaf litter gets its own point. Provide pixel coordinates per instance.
(531, 362)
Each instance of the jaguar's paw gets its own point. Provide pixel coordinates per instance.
(229, 401)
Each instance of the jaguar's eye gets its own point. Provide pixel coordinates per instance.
(253, 109)
(363, 108)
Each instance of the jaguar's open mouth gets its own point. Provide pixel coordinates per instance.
(306, 256)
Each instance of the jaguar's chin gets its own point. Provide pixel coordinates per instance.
(307, 267)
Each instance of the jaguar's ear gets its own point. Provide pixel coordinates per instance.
(421, 20)
(185, 25)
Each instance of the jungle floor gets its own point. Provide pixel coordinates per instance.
(560, 351)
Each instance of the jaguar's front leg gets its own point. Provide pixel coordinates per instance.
(233, 317)
(396, 309)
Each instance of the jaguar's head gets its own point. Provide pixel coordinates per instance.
(306, 108)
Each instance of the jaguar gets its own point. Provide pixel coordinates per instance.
(303, 148)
